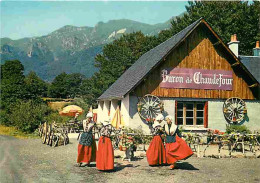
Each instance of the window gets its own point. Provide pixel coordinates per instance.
(191, 113)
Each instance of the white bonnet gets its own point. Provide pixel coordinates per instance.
(105, 123)
(159, 117)
(89, 115)
(155, 124)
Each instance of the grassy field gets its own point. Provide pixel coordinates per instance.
(12, 131)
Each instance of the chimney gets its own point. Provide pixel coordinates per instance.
(256, 50)
(233, 44)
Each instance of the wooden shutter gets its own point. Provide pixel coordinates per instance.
(176, 112)
(206, 115)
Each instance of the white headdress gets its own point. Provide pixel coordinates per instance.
(156, 123)
(89, 115)
(105, 123)
(159, 117)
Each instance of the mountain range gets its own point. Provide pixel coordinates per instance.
(70, 49)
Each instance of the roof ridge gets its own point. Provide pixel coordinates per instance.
(248, 56)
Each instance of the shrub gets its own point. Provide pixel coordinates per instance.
(237, 129)
(139, 137)
(27, 116)
(4, 118)
(54, 116)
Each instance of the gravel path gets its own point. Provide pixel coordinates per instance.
(30, 161)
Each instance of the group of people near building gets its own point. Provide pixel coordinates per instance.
(157, 154)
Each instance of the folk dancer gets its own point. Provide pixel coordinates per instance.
(156, 151)
(87, 144)
(105, 153)
(176, 147)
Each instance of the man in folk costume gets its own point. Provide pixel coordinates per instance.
(105, 153)
(156, 151)
(176, 147)
(87, 144)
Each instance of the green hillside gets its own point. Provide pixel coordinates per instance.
(70, 49)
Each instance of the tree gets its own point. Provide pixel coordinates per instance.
(58, 88)
(35, 86)
(27, 115)
(73, 83)
(115, 59)
(66, 85)
(12, 83)
(226, 18)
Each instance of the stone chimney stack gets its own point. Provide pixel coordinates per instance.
(256, 50)
(233, 44)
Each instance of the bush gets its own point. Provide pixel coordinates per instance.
(4, 118)
(27, 116)
(139, 137)
(54, 116)
(237, 129)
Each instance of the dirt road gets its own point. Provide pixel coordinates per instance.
(30, 161)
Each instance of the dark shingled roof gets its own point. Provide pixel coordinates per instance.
(252, 63)
(131, 77)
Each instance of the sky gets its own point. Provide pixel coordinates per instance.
(21, 19)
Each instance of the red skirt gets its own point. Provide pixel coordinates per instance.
(177, 151)
(105, 154)
(156, 152)
(87, 154)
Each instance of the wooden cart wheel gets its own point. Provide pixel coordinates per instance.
(49, 134)
(48, 139)
(67, 138)
(234, 110)
(55, 141)
(44, 132)
(44, 136)
(149, 107)
(51, 139)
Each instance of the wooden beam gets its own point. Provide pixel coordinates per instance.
(235, 64)
(253, 85)
(217, 43)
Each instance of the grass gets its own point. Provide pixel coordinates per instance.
(13, 131)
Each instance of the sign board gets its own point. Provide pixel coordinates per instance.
(196, 79)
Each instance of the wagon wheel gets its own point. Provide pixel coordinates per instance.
(51, 139)
(44, 137)
(149, 107)
(48, 138)
(55, 141)
(63, 138)
(234, 110)
(49, 134)
(44, 133)
(66, 138)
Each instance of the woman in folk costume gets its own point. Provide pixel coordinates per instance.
(87, 144)
(105, 153)
(176, 147)
(156, 151)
